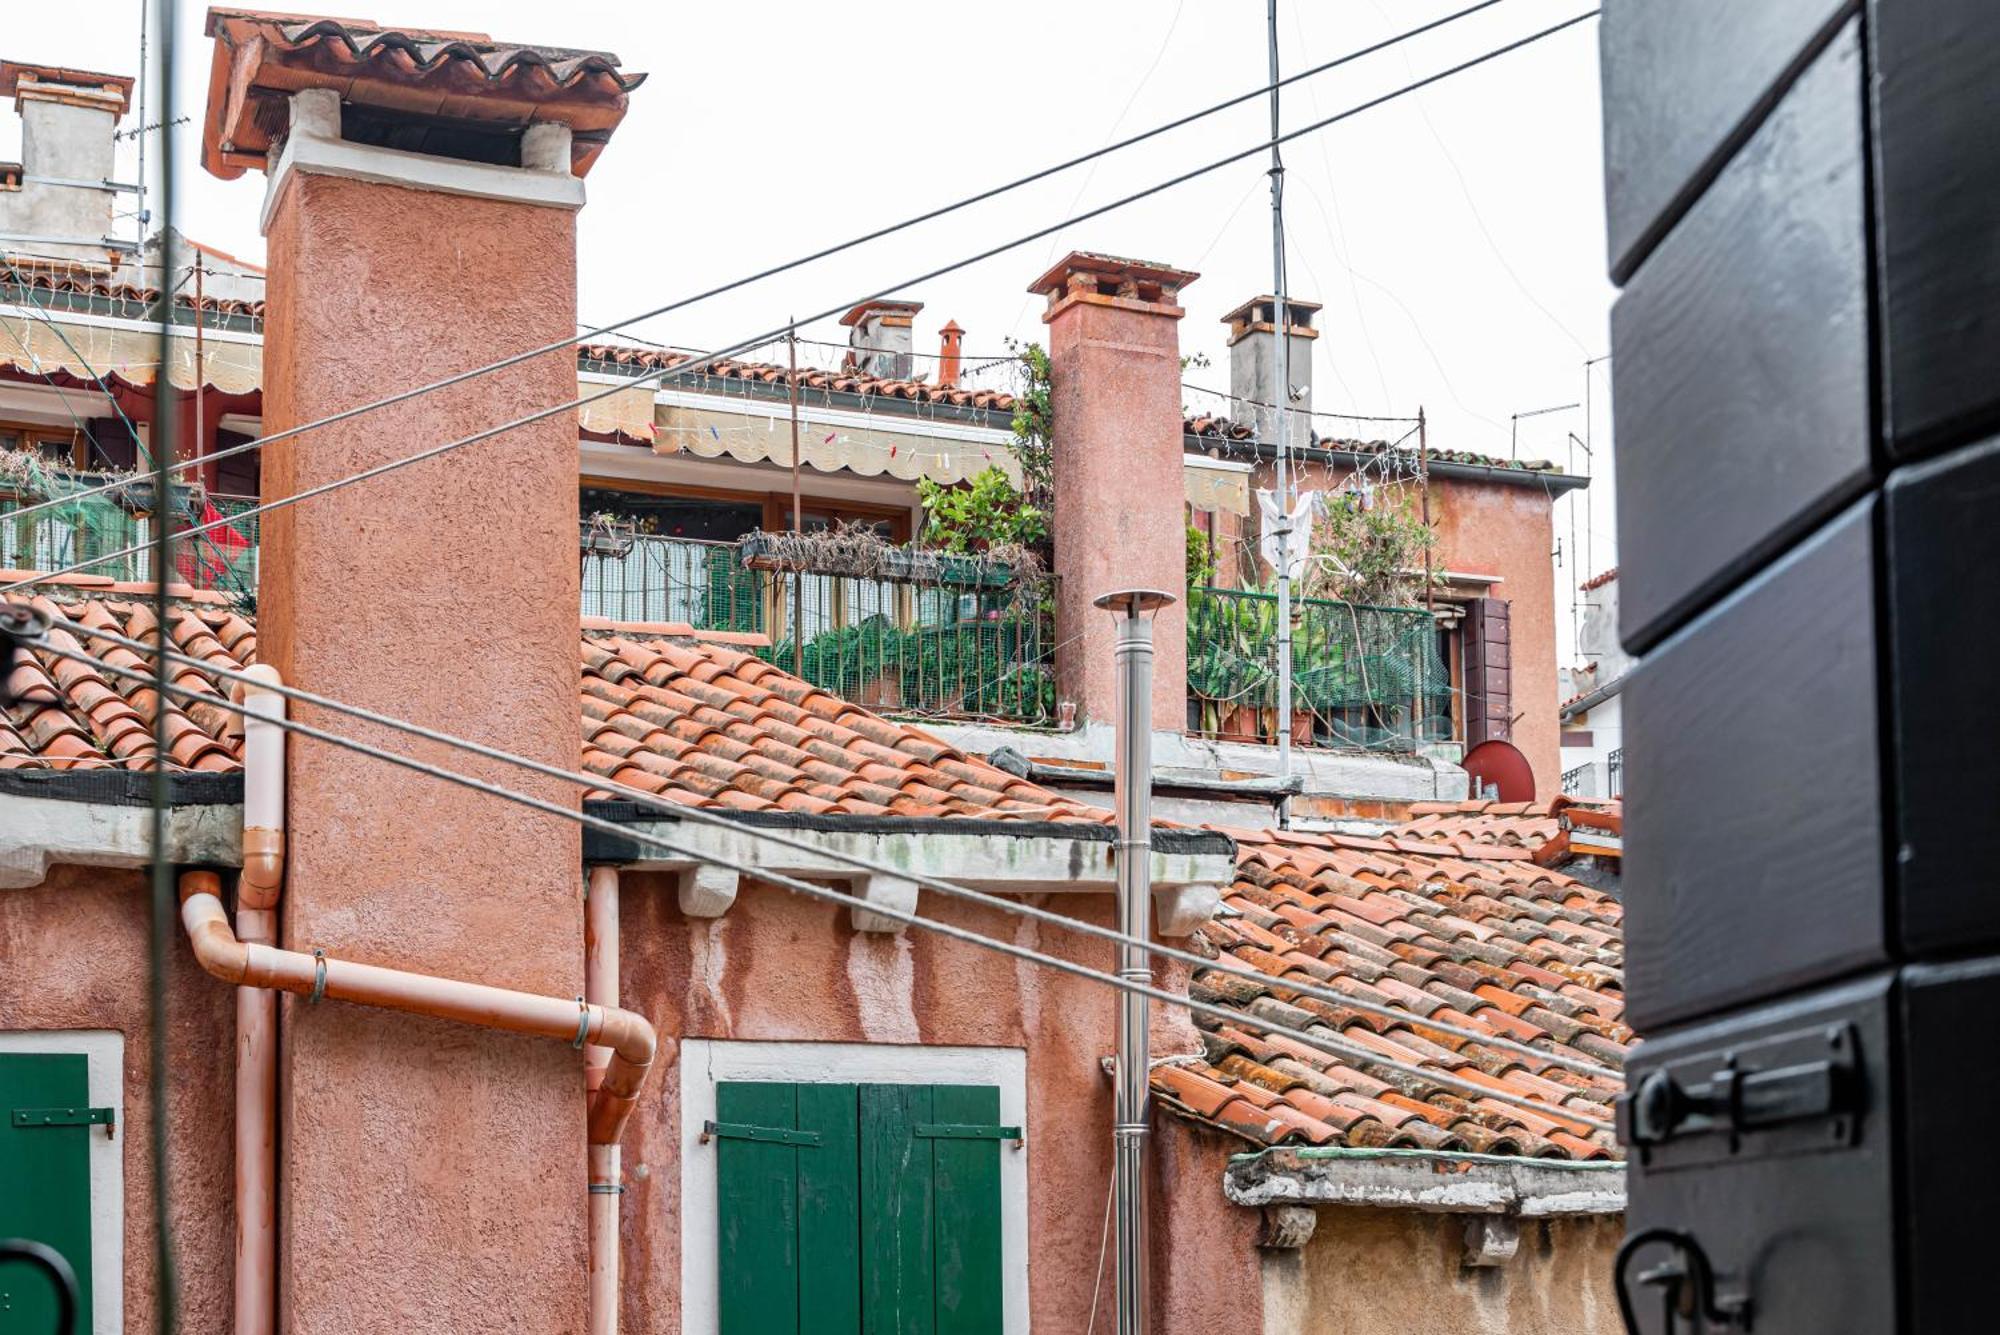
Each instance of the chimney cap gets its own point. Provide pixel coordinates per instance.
(1255, 316)
(1088, 276)
(87, 86)
(907, 310)
(261, 58)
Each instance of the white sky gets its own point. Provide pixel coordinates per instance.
(1456, 236)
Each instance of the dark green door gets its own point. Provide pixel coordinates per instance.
(859, 1209)
(44, 1181)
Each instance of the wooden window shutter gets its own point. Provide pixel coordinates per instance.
(1489, 701)
(859, 1210)
(45, 1130)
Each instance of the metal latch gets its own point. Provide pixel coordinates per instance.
(955, 1131)
(770, 1135)
(28, 1119)
(1760, 1086)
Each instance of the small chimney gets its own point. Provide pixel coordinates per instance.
(882, 338)
(950, 339)
(1253, 366)
(61, 201)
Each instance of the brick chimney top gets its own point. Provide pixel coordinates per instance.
(1109, 280)
(1258, 316)
(881, 337)
(104, 92)
(447, 94)
(950, 340)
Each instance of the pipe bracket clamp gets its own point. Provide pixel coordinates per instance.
(582, 1022)
(606, 1189)
(314, 997)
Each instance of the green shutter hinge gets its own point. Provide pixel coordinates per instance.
(29, 1119)
(954, 1131)
(773, 1135)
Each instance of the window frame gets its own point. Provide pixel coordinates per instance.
(706, 1063)
(103, 1051)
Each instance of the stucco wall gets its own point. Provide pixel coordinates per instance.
(1394, 1270)
(73, 956)
(1499, 529)
(778, 967)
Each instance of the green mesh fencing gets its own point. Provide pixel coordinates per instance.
(675, 579)
(88, 528)
(1362, 676)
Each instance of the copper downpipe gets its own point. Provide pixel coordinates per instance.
(257, 892)
(629, 1036)
(600, 986)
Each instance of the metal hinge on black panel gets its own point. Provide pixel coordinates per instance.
(1788, 1094)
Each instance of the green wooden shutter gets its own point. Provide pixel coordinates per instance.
(44, 1182)
(966, 1184)
(788, 1227)
(859, 1210)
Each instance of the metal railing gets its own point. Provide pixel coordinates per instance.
(1614, 774)
(1362, 676)
(901, 646)
(1576, 781)
(224, 559)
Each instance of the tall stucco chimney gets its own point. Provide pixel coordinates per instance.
(1253, 366)
(420, 216)
(881, 336)
(1121, 504)
(61, 200)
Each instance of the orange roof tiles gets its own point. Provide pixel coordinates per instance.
(1505, 947)
(846, 380)
(1436, 927)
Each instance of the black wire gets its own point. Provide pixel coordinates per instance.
(166, 1291)
(876, 235)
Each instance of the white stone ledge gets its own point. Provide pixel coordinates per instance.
(1427, 1183)
(38, 832)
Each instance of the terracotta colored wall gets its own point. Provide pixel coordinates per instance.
(1392, 1270)
(73, 956)
(781, 968)
(1505, 530)
(431, 1170)
(1509, 531)
(1114, 386)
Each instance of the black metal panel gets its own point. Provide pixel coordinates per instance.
(1684, 82)
(1937, 100)
(1753, 827)
(1741, 377)
(1942, 541)
(1801, 1224)
(1950, 1087)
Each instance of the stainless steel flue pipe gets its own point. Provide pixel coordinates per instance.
(1134, 609)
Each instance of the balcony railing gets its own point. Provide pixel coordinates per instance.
(223, 559)
(911, 646)
(1361, 676)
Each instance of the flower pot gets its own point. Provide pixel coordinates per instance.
(880, 692)
(1302, 727)
(1240, 724)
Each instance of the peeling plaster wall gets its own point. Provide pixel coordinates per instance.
(778, 967)
(73, 956)
(1394, 1270)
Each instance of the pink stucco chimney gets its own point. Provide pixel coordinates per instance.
(1120, 511)
(420, 215)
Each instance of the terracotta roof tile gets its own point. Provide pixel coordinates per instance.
(1451, 938)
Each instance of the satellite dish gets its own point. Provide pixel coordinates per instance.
(1495, 765)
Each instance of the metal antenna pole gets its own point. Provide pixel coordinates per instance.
(1133, 785)
(1281, 320)
(798, 526)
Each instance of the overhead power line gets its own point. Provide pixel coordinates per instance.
(684, 368)
(696, 815)
(1327, 1041)
(516, 359)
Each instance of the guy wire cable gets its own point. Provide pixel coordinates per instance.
(700, 816)
(1330, 1042)
(684, 368)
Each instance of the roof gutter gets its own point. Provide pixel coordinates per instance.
(1549, 480)
(1584, 703)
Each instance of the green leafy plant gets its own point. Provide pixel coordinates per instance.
(980, 516)
(1368, 553)
(1200, 558)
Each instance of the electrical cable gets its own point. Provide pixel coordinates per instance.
(516, 359)
(1328, 1042)
(699, 816)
